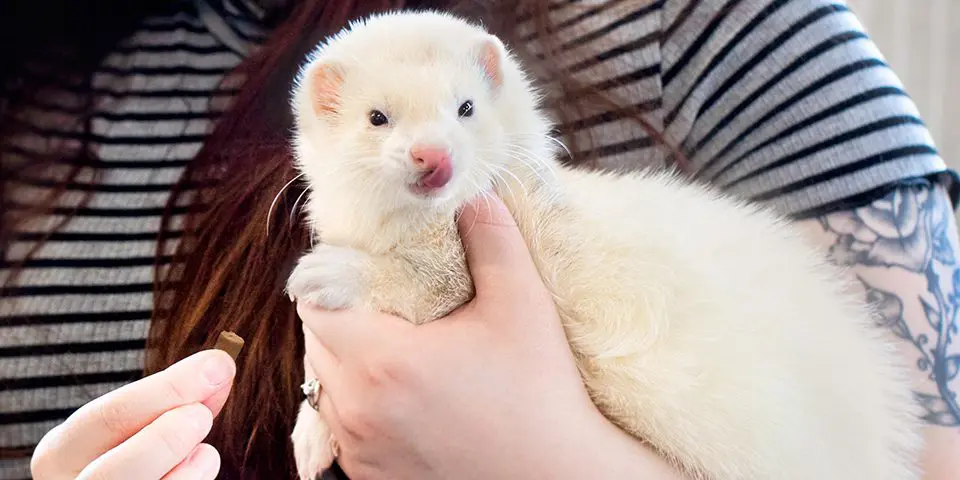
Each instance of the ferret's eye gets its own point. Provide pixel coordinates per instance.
(466, 109)
(377, 118)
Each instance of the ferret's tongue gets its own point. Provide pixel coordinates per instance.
(438, 177)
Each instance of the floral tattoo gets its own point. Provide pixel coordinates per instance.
(911, 231)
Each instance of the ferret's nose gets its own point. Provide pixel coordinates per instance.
(434, 162)
(429, 157)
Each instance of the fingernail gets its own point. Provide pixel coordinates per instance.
(204, 466)
(217, 370)
(211, 468)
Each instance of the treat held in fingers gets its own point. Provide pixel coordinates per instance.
(229, 342)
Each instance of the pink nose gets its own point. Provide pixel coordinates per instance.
(435, 163)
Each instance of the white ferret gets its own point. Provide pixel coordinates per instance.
(703, 325)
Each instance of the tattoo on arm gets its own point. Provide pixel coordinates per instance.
(903, 249)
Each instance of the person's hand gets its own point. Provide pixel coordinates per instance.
(150, 429)
(490, 391)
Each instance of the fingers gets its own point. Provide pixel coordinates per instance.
(202, 464)
(497, 254)
(115, 417)
(346, 333)
(216, 402)
(319, 363)
(156, 449)
(332, 419)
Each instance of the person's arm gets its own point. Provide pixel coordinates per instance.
(791, 105)
(903, 250)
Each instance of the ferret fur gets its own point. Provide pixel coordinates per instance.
(701, 324)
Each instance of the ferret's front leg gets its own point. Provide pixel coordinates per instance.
(331, 277)
(421, 284)
(414, 286)
(312, 443)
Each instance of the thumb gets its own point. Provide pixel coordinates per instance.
(497, 255)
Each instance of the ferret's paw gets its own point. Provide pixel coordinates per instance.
(312, 449)
(329, 277)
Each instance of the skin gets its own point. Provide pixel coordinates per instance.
(149, 429)
(902, 250)
(499, 354)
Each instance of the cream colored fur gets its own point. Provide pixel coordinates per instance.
(702, 325)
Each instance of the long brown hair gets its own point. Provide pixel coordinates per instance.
(230, 265)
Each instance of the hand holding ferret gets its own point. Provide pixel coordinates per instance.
(489, 391)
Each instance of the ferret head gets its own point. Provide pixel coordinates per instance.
(413, 112)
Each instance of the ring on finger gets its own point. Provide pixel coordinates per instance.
(311, 390)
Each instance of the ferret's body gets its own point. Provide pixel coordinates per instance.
(703, 325)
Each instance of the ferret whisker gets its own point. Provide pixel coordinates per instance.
(497, 170)
(546, 167)
(538, 158)
(276, 198)
(562, 145)
(510, 190)
(527, 154)
(555, 140)
(483, 193)
(495, 178)
(524, 160)
(486, 199)
(293, 210)
(524, 157)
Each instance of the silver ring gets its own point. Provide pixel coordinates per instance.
(311, 390)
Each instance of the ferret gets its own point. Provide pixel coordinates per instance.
(703, 325)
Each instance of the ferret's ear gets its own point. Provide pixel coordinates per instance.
(490, 55)
(324, 79)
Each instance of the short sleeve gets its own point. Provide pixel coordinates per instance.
(789, 102)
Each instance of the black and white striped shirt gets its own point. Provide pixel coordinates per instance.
(780, 101)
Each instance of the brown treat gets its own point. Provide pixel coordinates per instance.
(229, 342)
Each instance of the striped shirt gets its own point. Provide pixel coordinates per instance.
(786, 102)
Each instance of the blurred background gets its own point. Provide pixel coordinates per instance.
(921, 40)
